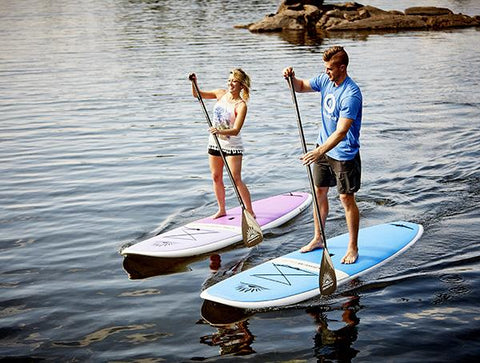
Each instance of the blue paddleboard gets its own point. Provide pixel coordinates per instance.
(293, 277)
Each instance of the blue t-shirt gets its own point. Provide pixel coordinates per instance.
(344, 101)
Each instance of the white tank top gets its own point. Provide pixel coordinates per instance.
(223, 118)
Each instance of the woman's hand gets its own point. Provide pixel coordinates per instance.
(214, 131)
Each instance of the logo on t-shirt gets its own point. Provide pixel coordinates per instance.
(329, 103)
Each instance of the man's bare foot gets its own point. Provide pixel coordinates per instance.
(350, 257)
(220, 213)
(314, 244)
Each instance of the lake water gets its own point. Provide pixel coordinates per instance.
(102, 145)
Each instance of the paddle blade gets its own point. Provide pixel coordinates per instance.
(327, 278)
(251, 231)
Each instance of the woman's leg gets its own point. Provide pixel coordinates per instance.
(216, 169)
(235, 165)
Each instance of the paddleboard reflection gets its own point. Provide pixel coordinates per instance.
(334, 335)
(232, 336)
(142, 267)
(335, 344)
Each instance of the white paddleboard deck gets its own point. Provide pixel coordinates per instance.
(293, 277)
(208, 234)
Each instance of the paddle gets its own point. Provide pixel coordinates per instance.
(251, 231)
(327, 277)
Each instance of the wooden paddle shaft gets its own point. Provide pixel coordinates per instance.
(309, 170)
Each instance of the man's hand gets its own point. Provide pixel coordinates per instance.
(311, 156)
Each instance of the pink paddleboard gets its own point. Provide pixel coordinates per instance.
(207, 234)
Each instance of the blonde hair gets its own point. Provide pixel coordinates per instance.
(240, 76)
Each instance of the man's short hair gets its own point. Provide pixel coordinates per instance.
(337, 54)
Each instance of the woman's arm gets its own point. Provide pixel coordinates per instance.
(217, 93)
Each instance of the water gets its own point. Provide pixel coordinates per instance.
(102, 145)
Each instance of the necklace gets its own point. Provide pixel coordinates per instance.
(232, 99)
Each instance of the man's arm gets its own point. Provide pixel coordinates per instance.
(299, 85)
(342, 128)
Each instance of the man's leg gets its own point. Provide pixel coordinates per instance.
(352, 216)
(322, 199)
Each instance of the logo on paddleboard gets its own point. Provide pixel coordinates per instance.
(246, 287)
(181, 236)
(164, 243)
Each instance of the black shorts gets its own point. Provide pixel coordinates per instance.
(225, 152)
(346, 175)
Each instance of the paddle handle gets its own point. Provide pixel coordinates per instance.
(222, 154)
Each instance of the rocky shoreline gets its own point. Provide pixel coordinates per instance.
(314, 16)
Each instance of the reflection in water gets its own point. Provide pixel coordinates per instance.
(103, 334)
(142, 267)
(317, 38)
(336, 344)
(232, 336)
(233, 339)
(301, 37)
(215, 262)
(219, 272)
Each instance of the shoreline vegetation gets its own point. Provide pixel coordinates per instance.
(314, 17)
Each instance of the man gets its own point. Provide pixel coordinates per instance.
(336, 158)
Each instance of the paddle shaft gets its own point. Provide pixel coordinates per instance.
(309, 170)
(222, 154)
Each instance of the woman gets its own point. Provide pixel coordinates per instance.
(228, 118)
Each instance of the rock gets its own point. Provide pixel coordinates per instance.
(289, 17)
(273, 23)
(298, 4)
(390, 22)
(308, 15)
(451, 21)
(427, 11)
(373, 11)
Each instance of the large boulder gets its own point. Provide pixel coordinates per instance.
(302, 15)
(452, 21)
(427, 11)
(382, 22)
(291, 15)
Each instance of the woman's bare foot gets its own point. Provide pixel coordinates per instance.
(350, 257)
(220, 213)
(314, 244)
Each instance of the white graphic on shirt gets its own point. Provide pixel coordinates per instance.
(329, 103)
(221, 120)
